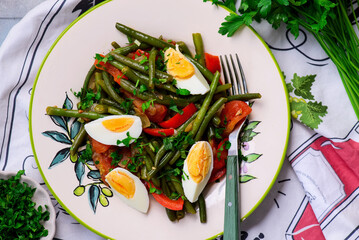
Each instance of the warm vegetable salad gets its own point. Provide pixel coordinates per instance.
(155, 121)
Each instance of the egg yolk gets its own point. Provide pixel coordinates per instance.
(177, 65)
(199, 161)
(118, 124)
(122, 183)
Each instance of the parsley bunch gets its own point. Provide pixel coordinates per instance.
(19, 219)
(330, 22)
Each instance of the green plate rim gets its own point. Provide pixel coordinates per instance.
(33, 146)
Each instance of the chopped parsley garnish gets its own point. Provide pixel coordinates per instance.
(143, 88)
(85, 155)
(182, 91)
(90, 98)
(116, 158)
(127, 140)
(175, 109)
(127, 105)
(147, 104)
(177, 142)
(19, 218)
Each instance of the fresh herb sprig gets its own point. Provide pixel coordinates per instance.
(19, 219)
(329, 21)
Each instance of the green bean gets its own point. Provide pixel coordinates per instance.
(223, 87)
(148, 162)
(165, 86)
(156, 182)
(142, 37)
(176, 183)
(183, 48)
(211, 133)
(111, 92)
(54, 111)
(114, 111)
(171, 214)
(198, 44)
(101, 83)
(143, 172)
(163, 162)
(110, 102)
(189, 207)
(176, 157)
(159, 98)
(115, 45)
(216, 121)
(205, 72)
(206, 102)
(139, 67)
(80, 137)
(152, 67)
(209, 115)
(87, 80)
(245, 96)
(162, 150)
(165, 188)
(99, 108)
(132, 76)
(130, 48)
(202, 209)
(180, 214)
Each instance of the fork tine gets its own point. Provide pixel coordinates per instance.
(227, 79)
(236, 85)
(244, 81)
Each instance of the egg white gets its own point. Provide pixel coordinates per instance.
(196, 84)
(97, 131)
(140, 200)
(191, 189)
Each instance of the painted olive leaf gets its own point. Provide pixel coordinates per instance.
(58, 137)
(246, 178)
(94, 174)
(252, 125)
(93, 195)
(79, 170)
(252, 157)
(59, 121)
(75, 128)
(60, 156)
(68, 103)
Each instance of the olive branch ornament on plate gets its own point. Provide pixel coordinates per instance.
(246, 137)
(98, 192)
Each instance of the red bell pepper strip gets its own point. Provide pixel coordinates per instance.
(166, 201)
(233, 113)
(178, 119)
(159, 132)
(115, 72)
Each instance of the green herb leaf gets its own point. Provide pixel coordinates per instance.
(182, 91)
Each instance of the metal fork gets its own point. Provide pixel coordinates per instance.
(232, 212)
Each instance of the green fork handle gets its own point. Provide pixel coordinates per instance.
(231, 227)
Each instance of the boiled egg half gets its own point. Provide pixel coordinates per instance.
(128, 188)
(197, 169)
(186, 74)
(109, 129)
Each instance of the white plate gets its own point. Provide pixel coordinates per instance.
(65, 67)
(41, 198)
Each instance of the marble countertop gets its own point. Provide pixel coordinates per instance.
(11, 12)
